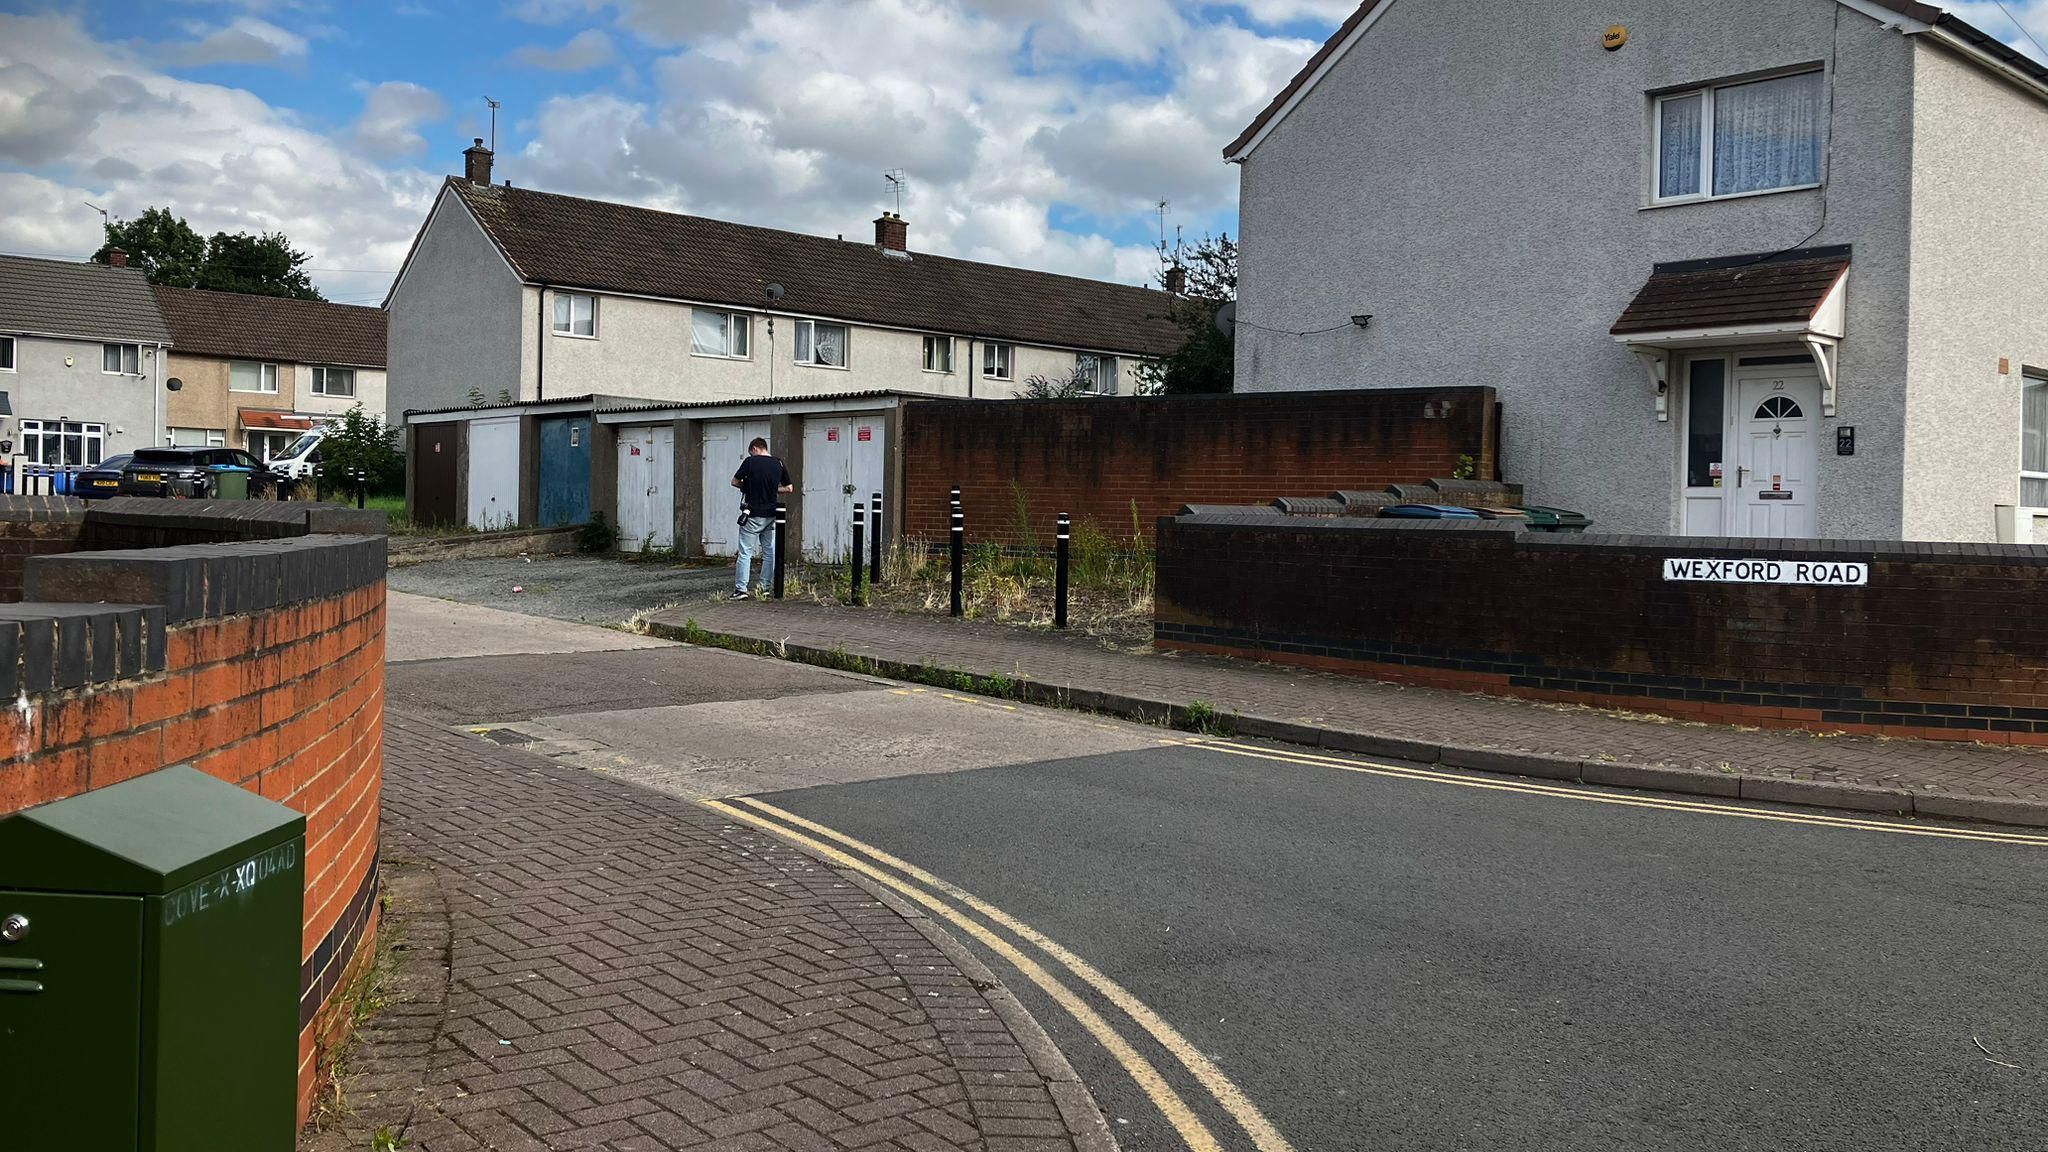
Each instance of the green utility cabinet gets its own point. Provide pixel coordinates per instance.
(149, 969)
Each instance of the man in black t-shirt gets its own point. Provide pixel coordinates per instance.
(760, 479)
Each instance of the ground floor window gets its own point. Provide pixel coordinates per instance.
(196, 437)
(269, 446)
(70, 443)
(2034, 438)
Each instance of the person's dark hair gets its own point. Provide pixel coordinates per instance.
(760, 442)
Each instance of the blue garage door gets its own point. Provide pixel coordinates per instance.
(564, 471)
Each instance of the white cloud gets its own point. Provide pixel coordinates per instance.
(2014, 22)
(1290, 11)
(243, 40)
(587, 49)
(392, 114)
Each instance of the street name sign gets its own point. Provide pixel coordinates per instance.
(1833, 572)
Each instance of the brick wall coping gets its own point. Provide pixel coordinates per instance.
(117, 521)
(41, 509)
(1516, 535)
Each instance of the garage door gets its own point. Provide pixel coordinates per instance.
(647, 496)
(494, 473)
(564, 471)
(435, 477)
(842, 462)
(725, 445)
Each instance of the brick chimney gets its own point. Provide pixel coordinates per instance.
(1176, 281)
(892, 233)
(116, 258)
(476, 162)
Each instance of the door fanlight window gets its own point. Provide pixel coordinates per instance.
(1778, 408)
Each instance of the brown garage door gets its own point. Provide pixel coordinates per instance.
(434, 498)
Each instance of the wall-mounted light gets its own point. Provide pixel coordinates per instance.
(1362, 319)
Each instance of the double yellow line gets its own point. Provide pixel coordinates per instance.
(934, 893)
(1587, 795)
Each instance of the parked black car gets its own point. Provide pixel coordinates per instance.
(193, 472)
(101, 481)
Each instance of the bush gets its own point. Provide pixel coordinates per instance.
(599, 535)
(360, 441)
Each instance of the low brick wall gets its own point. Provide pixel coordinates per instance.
(260, 662)
(1097, 458)
(34, 526)
(1945, 641)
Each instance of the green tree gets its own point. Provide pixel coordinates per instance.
(1206, 360)
(170, 253)
(166, 248)
(359, 440)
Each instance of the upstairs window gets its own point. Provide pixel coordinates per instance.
(245, 376)
(938, 354)
(575, 314)
(2034, 438)
(1735, 139)
(1098, 371)
(6, 353)
(334, 381)
(995, 361)
(718, 334)
(820, 344)
(122, 359)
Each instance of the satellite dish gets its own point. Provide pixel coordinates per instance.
(174, 384)
(774, 292)
(1226, 319)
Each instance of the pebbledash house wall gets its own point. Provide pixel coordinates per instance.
(1123, 462)
(1942, 642)
(244, 639)
(1475, 175)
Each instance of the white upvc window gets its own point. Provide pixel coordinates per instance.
(1098, 371)
(1740, 139)
(6, 353)
(938, 354)
(334, 382)
(196, 437)
(821, 345)
(121, 359)
(249, 376)
(69, 443)
(575, 314)
(724, 334)
(2034, 438)
(995, 361)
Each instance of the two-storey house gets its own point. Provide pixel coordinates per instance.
(514, 293)
(1755, 268)
(256, 372)
(82, 361)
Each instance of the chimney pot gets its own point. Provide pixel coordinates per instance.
(476, 162)
(116, 258)
(1177, 280)
(892, 233)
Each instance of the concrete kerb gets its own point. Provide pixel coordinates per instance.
(1646, 777)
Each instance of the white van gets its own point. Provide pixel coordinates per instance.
(296, 462)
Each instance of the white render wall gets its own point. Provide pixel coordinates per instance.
(369, 392)
(1979, 290)
(43, 387)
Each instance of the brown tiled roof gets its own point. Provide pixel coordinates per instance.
(1738, 291)
(77, 298)
(236, 324)
(1913, 9)
(570, 242)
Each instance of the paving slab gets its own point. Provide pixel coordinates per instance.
(427, 628)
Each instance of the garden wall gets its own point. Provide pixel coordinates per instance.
(1099, 457)
(260, 662)
(34, 526)
(1942, 641)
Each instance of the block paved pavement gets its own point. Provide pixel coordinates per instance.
(627, 970)
(1250, 689)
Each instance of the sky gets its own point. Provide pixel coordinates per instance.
(1041, 133)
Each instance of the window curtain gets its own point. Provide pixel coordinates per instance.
(1768, 134)
(1678, 168)
(2034, 443)
(707, 334)
(831, 344)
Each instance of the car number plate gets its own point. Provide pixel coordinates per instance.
(149, 478)
(106, 483)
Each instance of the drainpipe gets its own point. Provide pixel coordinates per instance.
(970, 367)
(540, 358)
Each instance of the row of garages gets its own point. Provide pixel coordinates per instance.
(662, 473)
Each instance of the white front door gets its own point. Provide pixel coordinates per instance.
(1775, 432)
(646, 487)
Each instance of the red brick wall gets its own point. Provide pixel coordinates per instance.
(1095, 458)
(1943, 642)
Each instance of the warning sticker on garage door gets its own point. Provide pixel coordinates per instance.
(865, 434)
(1768, 571)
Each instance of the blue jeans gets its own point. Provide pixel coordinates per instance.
(757, 535)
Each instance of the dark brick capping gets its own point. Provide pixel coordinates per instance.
(1944, 641)
(142, 522)
(35, 526)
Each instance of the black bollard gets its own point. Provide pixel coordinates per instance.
(859, 552)
(875, 542)
(362, 488)
(319, 474)
(959, 549)
(1059, 572)
(781, 522)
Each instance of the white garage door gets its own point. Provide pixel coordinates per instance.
(725, 445)
(494, 473)
(647, 496)
(842, 462)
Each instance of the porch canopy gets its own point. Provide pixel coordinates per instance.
(264, 420)
(1775, 297)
